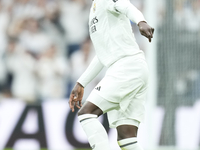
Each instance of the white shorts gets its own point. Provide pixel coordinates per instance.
(122, 92)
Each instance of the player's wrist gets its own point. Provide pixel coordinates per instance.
(79, 84)
(141, 22)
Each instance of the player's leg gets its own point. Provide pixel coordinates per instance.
(126, 131)
(127, 137)
(88, 114)
(127, 122)
(94, 130)
(90, 108)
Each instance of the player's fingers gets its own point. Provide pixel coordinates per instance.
(71, 96)
(151, 32)
(149, 36)
(77, 104)
(70, 99)
(71, 105)
(147, 33)
(152, 29)
(80, 103)
(149, 39)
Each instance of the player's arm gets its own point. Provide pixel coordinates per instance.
(128, 9)
(77, 93)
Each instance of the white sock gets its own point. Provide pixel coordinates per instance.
(97, 135)
(129, 144)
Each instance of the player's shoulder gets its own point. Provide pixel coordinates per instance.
(111, 6)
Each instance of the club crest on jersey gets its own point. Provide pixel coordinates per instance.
(93, 23)
(98, 88)
(94, 7)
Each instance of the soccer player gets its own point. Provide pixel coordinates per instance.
(121, 93)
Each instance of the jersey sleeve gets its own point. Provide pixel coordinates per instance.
(91, 72)
(125, 7)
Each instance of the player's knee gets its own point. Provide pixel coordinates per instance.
(90, 108)
(125, 135)
(82, 112)
(125, 132)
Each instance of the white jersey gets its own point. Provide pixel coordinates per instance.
(111, 33)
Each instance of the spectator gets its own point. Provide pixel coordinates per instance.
(21, 65)
(192, 16)
(179, 14)
(74, 20)
(28, 8)
(4, 22)
(187, 15)
(52, 27)
(52, 71)
(33, 39)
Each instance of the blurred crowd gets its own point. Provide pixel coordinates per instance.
(44, 48)
(187, 15)
(187, 24)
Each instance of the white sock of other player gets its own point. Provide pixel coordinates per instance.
(96, 133)
(129, 144)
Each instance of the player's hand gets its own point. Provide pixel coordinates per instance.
(146, 30)
(76, 96)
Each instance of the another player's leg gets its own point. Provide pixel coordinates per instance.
(127, 137)
(96, 133)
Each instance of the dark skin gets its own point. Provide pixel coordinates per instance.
(124, 131)
(146, 30)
